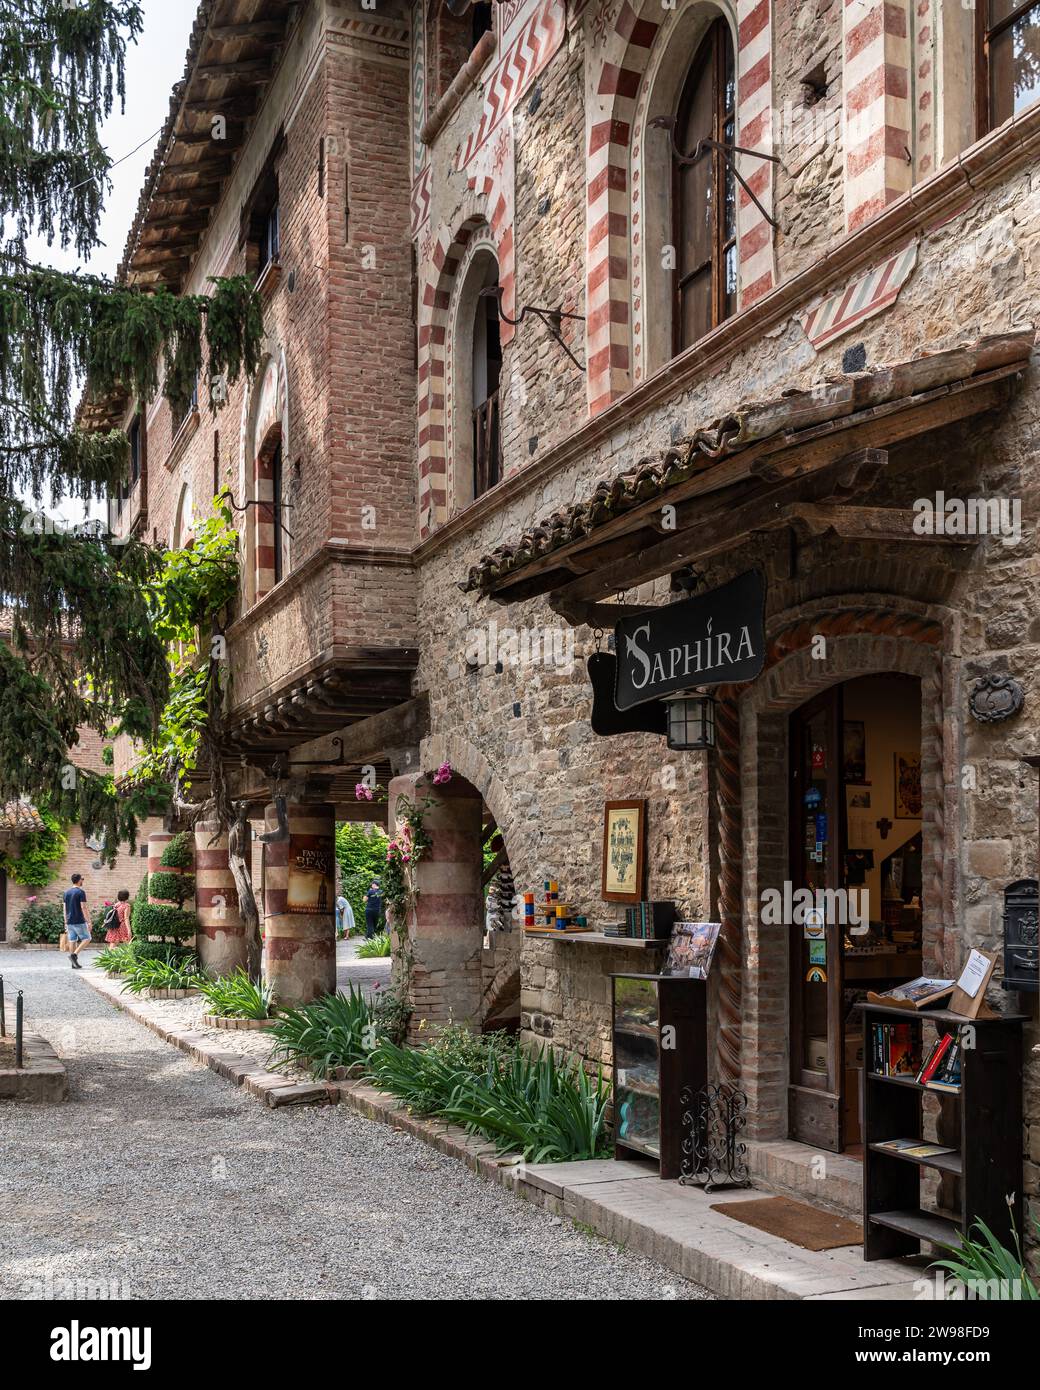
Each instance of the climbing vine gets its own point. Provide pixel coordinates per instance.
(39, 854)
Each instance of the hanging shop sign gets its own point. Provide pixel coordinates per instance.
(717, 638)
(606, 718)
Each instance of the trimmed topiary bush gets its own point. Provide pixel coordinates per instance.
(172, 888)
(178, 854)
(164, 923)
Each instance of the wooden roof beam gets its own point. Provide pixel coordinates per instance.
(248, 29)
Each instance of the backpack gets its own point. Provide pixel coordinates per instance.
(110, 920)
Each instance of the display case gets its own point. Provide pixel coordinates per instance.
(660, 1047)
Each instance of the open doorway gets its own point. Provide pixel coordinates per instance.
(855, 822)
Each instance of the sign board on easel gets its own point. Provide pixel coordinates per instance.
(969, 995)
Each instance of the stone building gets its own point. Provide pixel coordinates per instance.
(541, 358)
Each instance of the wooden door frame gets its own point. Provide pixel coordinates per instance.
(805, 1096)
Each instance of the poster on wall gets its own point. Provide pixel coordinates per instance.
(624, 839)
(908, 786)
(311, 874)
(854, 752)
(691, 949)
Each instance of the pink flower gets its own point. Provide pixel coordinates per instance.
(362, 792)
(443, 774)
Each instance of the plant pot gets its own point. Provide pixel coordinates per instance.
(170, 993)
(245, 1025)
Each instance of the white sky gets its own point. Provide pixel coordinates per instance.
(153, 65)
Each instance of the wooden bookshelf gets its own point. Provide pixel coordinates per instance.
(982, 1124)
(660, 1037)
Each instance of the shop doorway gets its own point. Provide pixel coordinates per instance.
(855, 823)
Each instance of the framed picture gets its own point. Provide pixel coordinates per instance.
(907, 786)
(624, 851)
(854, 753)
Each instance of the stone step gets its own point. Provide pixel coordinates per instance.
(832, 1181)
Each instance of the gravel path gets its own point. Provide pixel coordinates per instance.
(157, 1179)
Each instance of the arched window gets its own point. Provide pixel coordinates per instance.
(704, 205)
(184, 526)
(477, 367)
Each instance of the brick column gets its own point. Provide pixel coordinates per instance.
(157, 842)
(221, 941)
(446, 924)
(299, 904)
(876, 41)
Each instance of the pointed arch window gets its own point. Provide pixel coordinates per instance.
(704, 201)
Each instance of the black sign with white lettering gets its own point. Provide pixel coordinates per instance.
(716, 638)
(606, 718)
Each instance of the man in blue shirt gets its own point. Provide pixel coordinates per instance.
(77, 923)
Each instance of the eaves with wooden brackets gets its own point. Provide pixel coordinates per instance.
(798, 462)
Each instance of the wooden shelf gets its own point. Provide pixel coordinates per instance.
(921, 1225)
(598, 938)
(639, 1146)
(637, 1030)
(984, 1129)
(947, 1163)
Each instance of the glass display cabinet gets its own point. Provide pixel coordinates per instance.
(660, 1047)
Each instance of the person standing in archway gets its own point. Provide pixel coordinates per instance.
(373, 909)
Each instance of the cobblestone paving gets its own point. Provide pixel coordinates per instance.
(158, 1179)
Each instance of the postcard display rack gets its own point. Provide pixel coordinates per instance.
(660, 1048)
(981, 1127)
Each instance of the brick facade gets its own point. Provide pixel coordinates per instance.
(560, 181)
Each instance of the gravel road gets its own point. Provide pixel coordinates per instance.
(160, 1180)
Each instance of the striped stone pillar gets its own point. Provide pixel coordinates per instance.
(878, 116)
(446, 922)
(220, 941)
(300, 904)
(265, 527)
(157, 842)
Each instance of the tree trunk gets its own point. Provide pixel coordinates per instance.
(238, 842)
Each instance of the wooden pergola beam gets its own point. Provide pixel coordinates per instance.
(248, 29)
(788, 455)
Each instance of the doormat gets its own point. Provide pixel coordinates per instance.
(802, 1225)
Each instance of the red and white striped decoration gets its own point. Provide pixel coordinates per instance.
(616, 102)
(877, 115)
(860, 300)
(755, 132)
(538, 38)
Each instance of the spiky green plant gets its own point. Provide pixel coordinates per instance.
(336, 1031)
(236, 996)
(143, 975)
(989, 1270)
(375, 947)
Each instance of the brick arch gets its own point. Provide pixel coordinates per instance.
(615, 110)
(471, 764)
(864, 637)
(446, 256)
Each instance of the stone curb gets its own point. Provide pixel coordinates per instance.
(272, 1089)
(42, 1079)
(674, 1226)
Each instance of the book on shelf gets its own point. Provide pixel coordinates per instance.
(931, 1064)
(921, 993)
(915, 1148)
(895, 1050)
(942, 1068)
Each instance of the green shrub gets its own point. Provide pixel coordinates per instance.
(163, 950)
(172, 888)
(41, 924)
(375, 946)
(524, 1102)
(165, 923)
(361, 854)
(178, 854)
(140, 900)
(390, 1014)
(141, 975)
(236, 996)
(338, 1030)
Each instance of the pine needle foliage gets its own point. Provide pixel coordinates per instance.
(78, 640)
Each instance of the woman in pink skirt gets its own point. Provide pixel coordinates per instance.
(121, 930)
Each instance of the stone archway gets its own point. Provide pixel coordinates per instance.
(875, 637)
(450, 976)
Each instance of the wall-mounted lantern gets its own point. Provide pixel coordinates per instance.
(691, 720)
